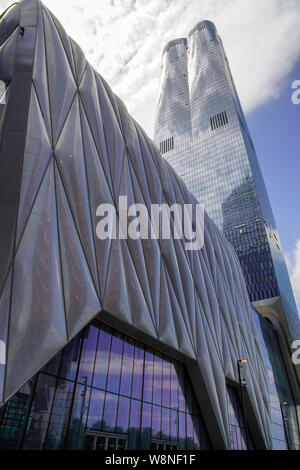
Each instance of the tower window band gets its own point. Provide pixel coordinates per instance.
(166, 145)
(218, 120)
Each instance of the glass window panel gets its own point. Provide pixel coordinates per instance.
(146, 426)
(114, 371)
(165, 423)
(166, 387)
(182, 431)
(174, 425)
(189, 433)
(59, 417)
(137, 380)
(135, 413)
(70, 359)
(77, 425)
(181, 398)
(174, 387)
(102, 358)
(148, 377)
(110, 412)
(123, 415)
(101, 443)
(236, 420)
(40, 413)
(53, 366)
(196, 438)
(112, 443)
(96, 410)
(134, 428)
(157, 380)
(188, 399)
(87, 360)
(14, 417)
(121, 444)
(89, 442)
(156, 422)
(126, 375)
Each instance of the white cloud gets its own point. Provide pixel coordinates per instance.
(293, 264)
(123, 39)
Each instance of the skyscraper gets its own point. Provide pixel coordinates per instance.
(201, 130)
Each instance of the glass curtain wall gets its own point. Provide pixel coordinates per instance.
(105, 391)
(284, 421)
(237, 430)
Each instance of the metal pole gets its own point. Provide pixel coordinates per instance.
(243, 402)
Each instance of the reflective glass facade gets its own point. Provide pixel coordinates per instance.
(237, 430)
(105, 391)
(283, 414)
(199, 108)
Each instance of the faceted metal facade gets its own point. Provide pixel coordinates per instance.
(67, 145)
(199, 108)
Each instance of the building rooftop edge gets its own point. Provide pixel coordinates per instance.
(175, 42)
(202, 25)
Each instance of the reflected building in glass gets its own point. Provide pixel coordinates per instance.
(199, 112)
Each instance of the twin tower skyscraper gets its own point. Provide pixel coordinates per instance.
(201, 130)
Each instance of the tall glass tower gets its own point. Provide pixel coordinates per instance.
(201, 130)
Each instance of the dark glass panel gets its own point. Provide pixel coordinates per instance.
(110, 412)
(181, 397)
(102, 358)
(137, 380)
(196, 438)
(148, 377)
(189, 433)
(166, 387)
(123, 415)
(121, 444)
(40, 413)
(87, 360)
(174, 425)
(114, 371)
(182, 431)
(236, 420)
(174, 388)
(157, 380)
(77, 425)
(89, 442)
(96, 410)
(146, 426)
(60, 415)
(112, 443)
(13, 417)
(156, 422)
(53, 366)
(127, 363)
(135, 425)
(165, 423)
(100, 443)
(189, 400)
(70, 359)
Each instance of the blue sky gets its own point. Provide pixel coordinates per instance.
(275, 130)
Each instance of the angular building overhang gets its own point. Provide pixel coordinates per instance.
(68, 145)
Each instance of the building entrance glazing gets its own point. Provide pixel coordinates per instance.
(105, 391)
